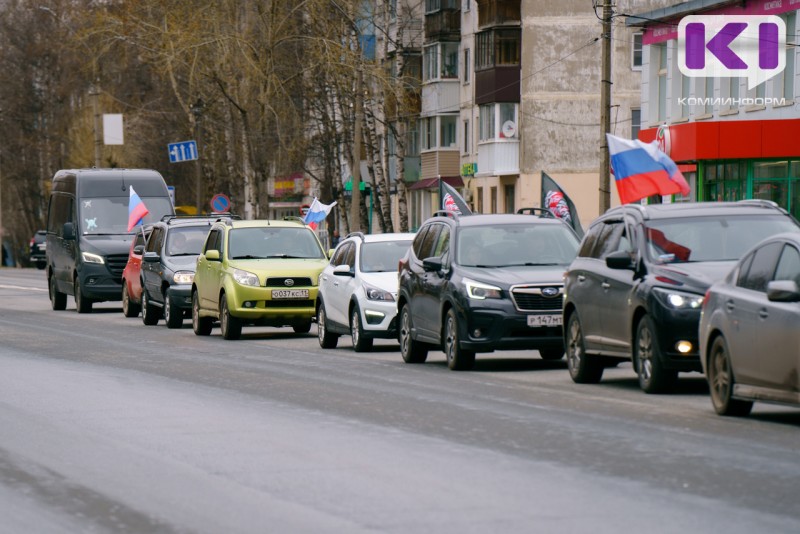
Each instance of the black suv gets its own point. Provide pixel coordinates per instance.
(479, 283)
(636, 288)
(168, 267)
(38, 254)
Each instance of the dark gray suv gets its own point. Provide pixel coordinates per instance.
(480, 283)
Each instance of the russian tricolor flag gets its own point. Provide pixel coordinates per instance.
(136, 210)
(317, 213)
(642, 170)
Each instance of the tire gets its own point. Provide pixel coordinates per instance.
(129, 308)
(412, 351)
(458, 359)
(41, 265)
(361, 343)
(150, 313)
(583, 368)
(173, 317)
(653, 376)
(201, 325)
(83, 304)
(551, 353)
(58, 300)
(230, 326)
(303, 328)
(720, 382)
(327, 340)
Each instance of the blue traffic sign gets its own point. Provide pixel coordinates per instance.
(183, 151)
(220, 203)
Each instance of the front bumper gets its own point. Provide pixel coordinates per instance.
(180, 296)
(501, 327)
(257, 304)
(674, 326)
(98, 283)
(379, 318)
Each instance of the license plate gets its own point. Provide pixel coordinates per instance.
(544, 320)
(290, 293)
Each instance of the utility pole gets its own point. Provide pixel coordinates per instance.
(98, 139)
(355, 200)
(197, 111)
(605, 109)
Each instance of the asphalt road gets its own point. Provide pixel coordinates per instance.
(107, 425)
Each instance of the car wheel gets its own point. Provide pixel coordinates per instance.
(150, 313)
(653, 376)
(173, 317)
(583, 368)
(129, 308)
(302, 328)
(41, 265)
(327, 340)
(412, 351)
(551, 353)
(720, 382)
(458, 359)
(361, 343)
(82, 303)
(58, 300)
(200, 325)
(231, 326)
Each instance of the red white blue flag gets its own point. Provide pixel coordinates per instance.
(642, 170)
(317, 213)
(451, 200)
(136, 210)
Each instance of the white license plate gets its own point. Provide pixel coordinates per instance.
(290, 293)
(544, 320)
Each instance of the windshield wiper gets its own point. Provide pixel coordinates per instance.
(528, 264)
(248, 257)
(185, 254)
(288, 256)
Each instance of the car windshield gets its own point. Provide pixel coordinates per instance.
(711, 238)
(109, 216)
(516, 245)
(273, 242)
(186, 241)
(383, 256)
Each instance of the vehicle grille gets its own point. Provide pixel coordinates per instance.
(116, 264)
(528, 298)
(289, 304)
(280, 281)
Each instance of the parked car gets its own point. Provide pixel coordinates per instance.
(358, 290)
(635, 290)
(480, 283)
(259, 272)
(37, 248)
(170, 260)
(749, 329)
(131, 274)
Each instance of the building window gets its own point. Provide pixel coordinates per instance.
(466, 66)
(729, 92)
(636, 123)
(704, 89)
(486, 117)
(428, 133)
(412, 139)
(497, 48)
(783, 83)
(393, 9)
(661, 50)
(508, 114)
(467, 148)
(479, 199)
(493, 200)
(440, 61)
(636, 60)
(685, 94)
(467, 4)
(447, 132)
(431, 6)
(509, 194)
(430, 63)
(449, 60)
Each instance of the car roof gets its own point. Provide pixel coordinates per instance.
(478, 219)
(697, 209)
(378, 238)
(260, 223)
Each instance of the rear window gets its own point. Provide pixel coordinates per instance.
(382, 257)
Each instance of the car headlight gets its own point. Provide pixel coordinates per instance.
(480, 291)
(678, 300)
(183, 277)
(245, 278)
(88, 257)
(374, 293)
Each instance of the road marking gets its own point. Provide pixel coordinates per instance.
(3, 286)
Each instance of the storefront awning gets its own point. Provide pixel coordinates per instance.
(429, 183)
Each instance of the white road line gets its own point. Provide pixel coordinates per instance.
(3, 286)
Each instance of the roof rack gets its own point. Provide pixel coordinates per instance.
(446, 213)
(356, 234)
(759, 202)
(294, 218)
(541, 212)
(215, 217)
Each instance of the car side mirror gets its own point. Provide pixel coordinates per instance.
(343, 270)
(68, 231)
(330, 252)
(433, 264)
(783, 291)
(151, 257)
(212, 255)
(619, 260)
(138, 250)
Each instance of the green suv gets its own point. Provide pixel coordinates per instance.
(262, 273)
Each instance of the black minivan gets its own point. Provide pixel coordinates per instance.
(87, 230)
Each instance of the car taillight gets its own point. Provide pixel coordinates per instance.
(705, 299)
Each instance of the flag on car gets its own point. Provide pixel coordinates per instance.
(136, 210)
(641, 170)
(451, 200)
(559, 204)
(317, 213)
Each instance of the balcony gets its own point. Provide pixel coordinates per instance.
(498, 84)
(498, 158)
(499, 13)
(441, 162)
(441, 97)
(443, 26)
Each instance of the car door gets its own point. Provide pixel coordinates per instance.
(208, 271)
(750, 308)
(434, 285)
(616, 286)
(151, 277)
(337, 303)
(327, 278)
(135, 262)
(419, 288)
